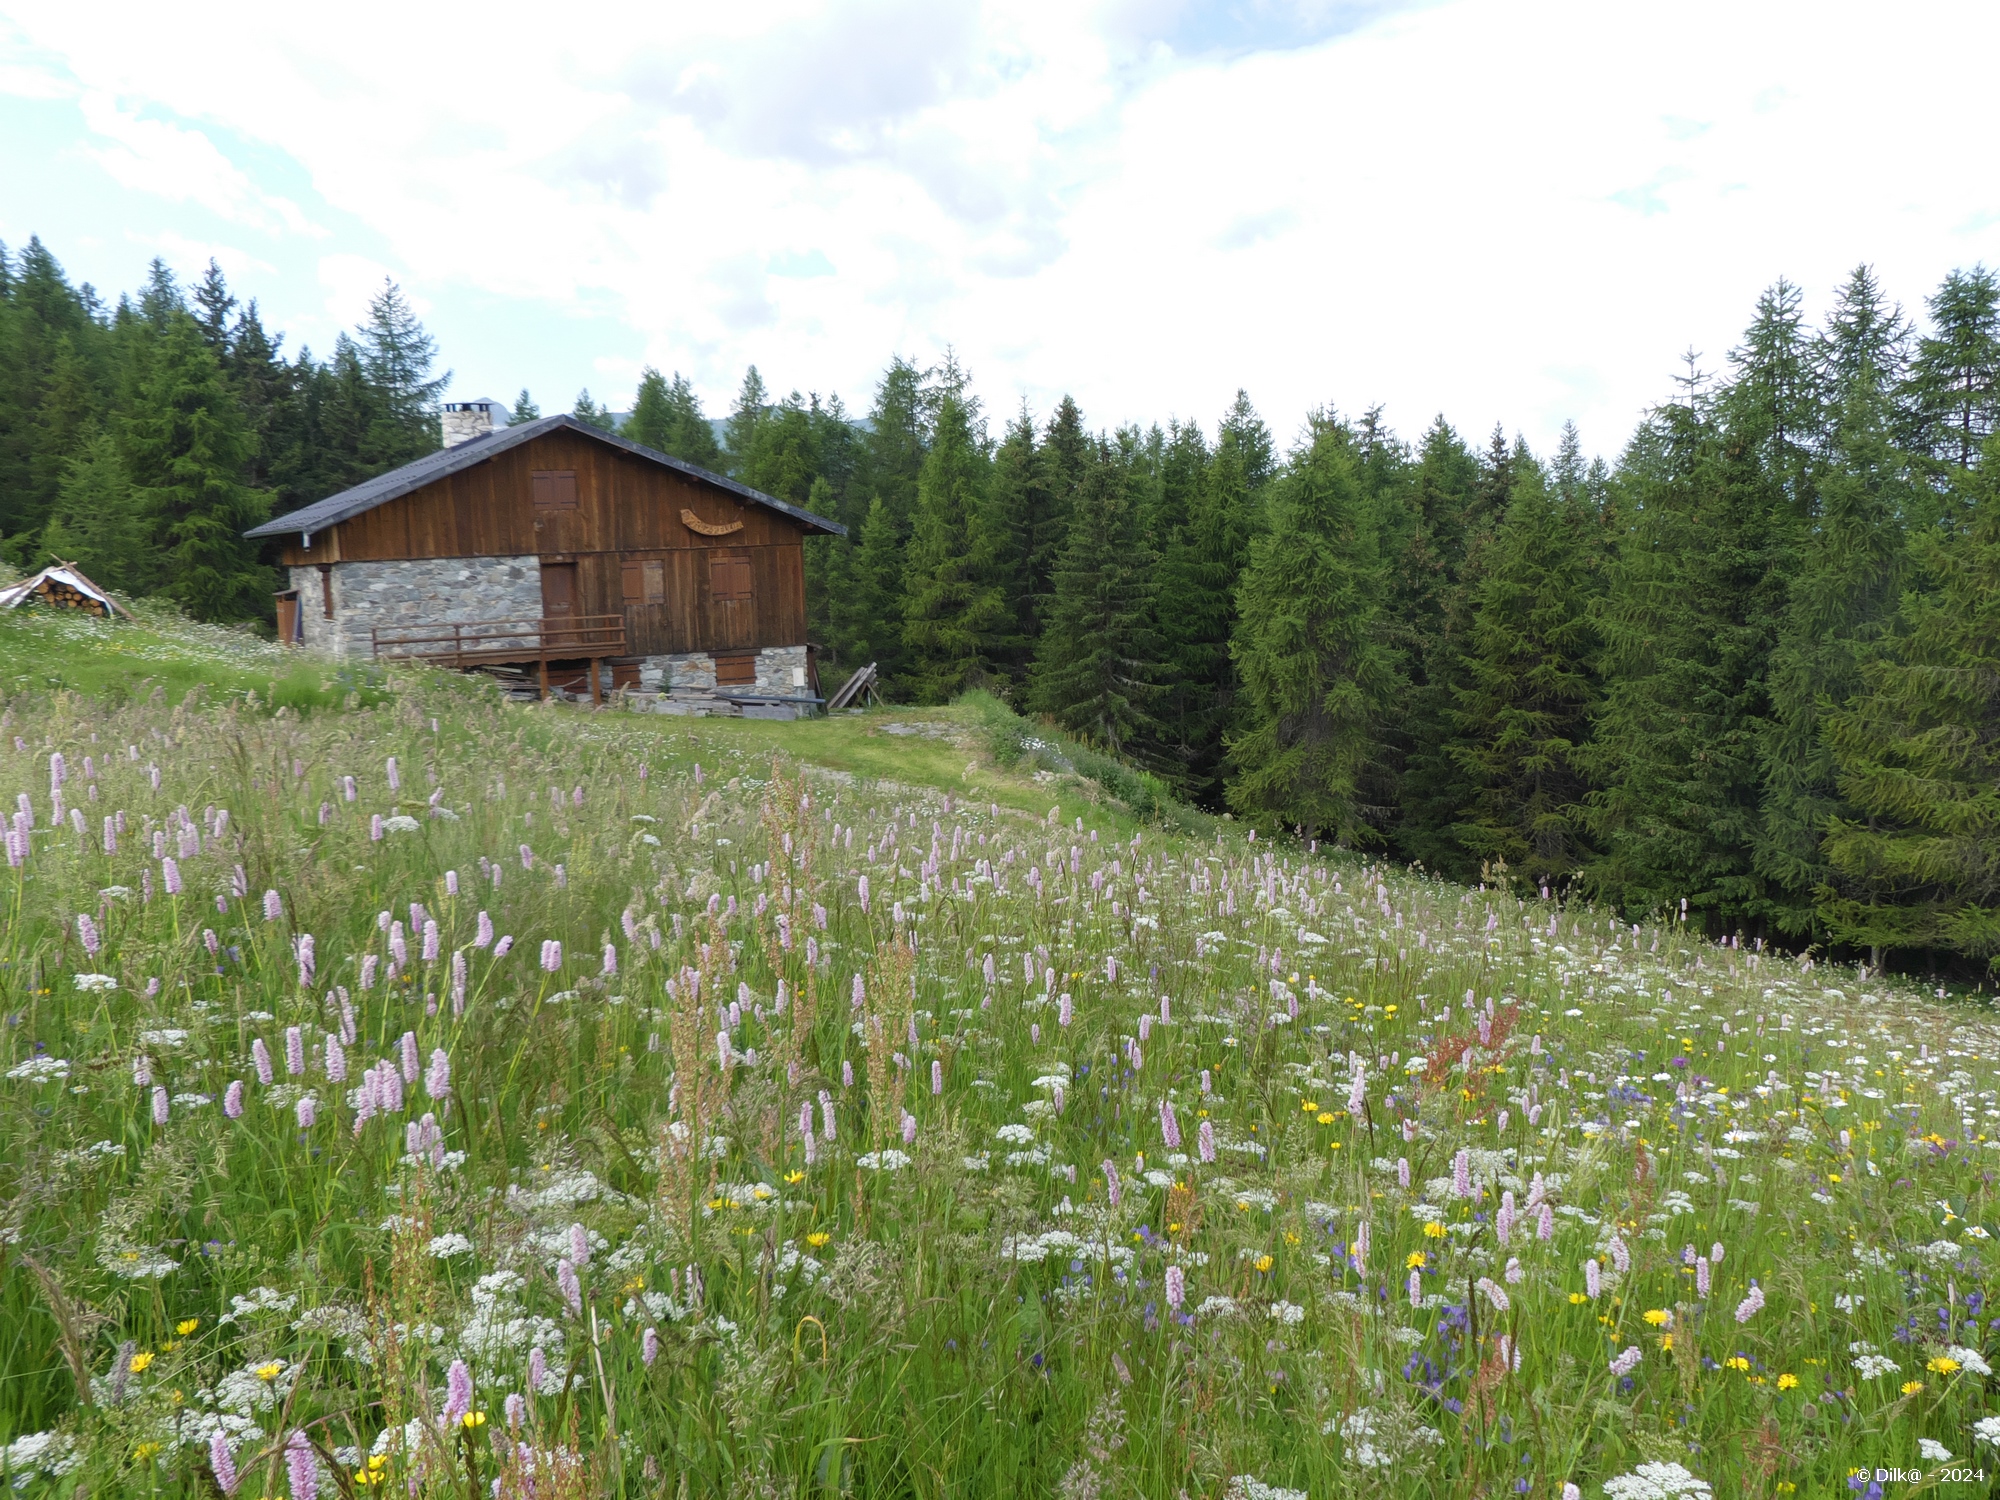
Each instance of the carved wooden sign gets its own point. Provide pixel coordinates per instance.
(708, 528)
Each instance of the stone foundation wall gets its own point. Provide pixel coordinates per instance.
(425, 591)
(780, 669)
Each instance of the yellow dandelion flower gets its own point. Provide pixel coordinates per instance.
(1736, 1362)
(1944, 1364)
(145, 1451)
(1911, 1387)
(272, 1370)
(1325, 1118)
(187, 1326)
(1577, 1299)
(1308, 1105)
(818, 1238)
(795, 1176)
(140, 1363)
(1416, 1260)
(1263, 1263)
(1434, 1230)
(1788, 1382)
(1659, 1317)
(474, 1419)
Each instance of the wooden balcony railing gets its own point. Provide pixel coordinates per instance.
(479, 643)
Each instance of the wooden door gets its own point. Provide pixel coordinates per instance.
(559, 603)
(558, 589)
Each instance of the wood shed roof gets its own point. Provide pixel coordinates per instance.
(434, 466)
(64, 575)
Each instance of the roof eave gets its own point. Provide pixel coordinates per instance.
(305, 522)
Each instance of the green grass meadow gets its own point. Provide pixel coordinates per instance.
(404, 1089)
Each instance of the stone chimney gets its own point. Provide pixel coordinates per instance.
(466, 420)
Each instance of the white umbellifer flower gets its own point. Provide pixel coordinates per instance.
(1655, 1482)
(1932, 1451)
(95, 982)
(400, 823)
(1243, 1487)
(1874, 1366)
(41, 1070)
(448, 1245)
(1987, 1430)
(1970, 1360)
(38, 1453)
(1362, 1432)
(891, 1160)
(1288, 1313)
(1015, 1135)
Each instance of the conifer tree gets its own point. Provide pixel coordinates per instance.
(99, 523)
(1842, 599)
(1954, 378)
(740, 435)
(1690, 619)
(1917, 754)
(1775, 405)
(780, 455)
(265, 387)
(1014, 485)
(1096, 669)
(186, 449)
(524, 410)
(213, 305)
(1432, 587)
(1529, 685)
(48, 354)
(872, 623)
(1317, 678)
(397, 355)
(1242, 427)
(666, 414)
(1195, 605)
(690, 435)
(590, 413)
(646, 423)
(956, 622)
(1043, 527)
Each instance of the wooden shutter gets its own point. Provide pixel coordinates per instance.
(555, 489)
(736, 671)
(644, 581)
(728, 578)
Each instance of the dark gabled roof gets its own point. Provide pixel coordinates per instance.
(435, 466)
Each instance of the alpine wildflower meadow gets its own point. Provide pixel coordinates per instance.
(459, 1099)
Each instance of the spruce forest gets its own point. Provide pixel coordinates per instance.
(1746, 676)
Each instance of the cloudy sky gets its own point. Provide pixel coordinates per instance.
(1520, 211)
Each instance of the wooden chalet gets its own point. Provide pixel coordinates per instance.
(560, 554)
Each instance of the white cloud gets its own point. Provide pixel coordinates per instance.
(1505, 209)
(155, 156)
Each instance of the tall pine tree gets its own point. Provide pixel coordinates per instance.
(956, 623)
(1318, 681)
(1529, 684)
(1690, 619)
(1096, 669)
(186, 448)
(1917, 756)
(1842, 599)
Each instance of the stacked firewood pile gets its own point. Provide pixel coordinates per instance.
(64, 595)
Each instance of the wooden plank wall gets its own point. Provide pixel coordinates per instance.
(627, 510)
